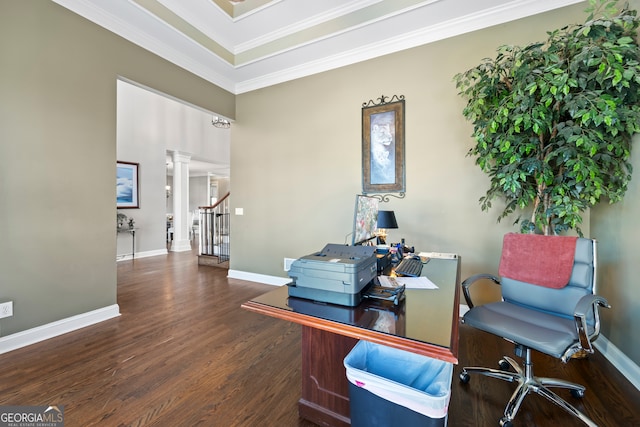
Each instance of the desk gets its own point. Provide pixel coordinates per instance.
(425, 323)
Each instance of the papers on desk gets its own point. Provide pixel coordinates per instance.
(408, 282)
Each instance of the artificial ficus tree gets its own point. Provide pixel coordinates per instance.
(554, 121)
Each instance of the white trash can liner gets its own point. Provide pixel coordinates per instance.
(417, 382)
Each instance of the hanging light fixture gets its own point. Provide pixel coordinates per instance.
(219, 122)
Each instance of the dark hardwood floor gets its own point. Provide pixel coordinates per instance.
(183, 353)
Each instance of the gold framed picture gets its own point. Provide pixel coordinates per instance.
(383, 145)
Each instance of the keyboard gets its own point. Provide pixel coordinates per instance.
(409, 267)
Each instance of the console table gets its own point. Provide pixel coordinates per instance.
(426, 322)
(131, 231)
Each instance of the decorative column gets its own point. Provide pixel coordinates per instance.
(181, 218)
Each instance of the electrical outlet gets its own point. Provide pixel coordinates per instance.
(287, 263)
(6, 309)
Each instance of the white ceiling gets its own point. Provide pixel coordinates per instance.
(246, 45)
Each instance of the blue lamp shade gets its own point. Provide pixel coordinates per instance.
(387, 219)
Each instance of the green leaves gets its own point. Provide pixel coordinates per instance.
(553, 121)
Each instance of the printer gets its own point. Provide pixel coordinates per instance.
(337, 274)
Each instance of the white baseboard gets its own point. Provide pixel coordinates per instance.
(60, 327)
(183, 245)
(145, 254)
(261, 278)
(618, 359)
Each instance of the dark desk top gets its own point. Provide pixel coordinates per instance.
(426, 322)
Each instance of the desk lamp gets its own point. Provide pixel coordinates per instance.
(386, 220)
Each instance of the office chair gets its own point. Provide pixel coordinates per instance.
(548, 305)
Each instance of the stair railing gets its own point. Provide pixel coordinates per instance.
(214, 229)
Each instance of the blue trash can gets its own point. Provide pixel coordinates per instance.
(390, 387)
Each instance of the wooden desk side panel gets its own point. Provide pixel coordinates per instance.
(359, 333)
(325, 388)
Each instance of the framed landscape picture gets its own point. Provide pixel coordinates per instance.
(127, 185)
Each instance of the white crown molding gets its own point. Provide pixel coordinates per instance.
(465, 24)
(305, 24)
(256, 10)
(208, 68)
(344, 47)
(364, 29)
(206, 17)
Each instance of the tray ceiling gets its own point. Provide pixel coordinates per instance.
(246, 45)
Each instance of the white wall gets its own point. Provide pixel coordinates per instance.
(148, 125)
(198, 191)
(140, 140)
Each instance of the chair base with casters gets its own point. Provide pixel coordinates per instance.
(559, 320)
(528, 383)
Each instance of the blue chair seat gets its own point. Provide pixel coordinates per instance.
(534, 329)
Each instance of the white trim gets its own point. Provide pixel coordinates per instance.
(150, 32)
(337, 12)
(253, 11)
(155, 252)
(207, 65)
(260, 278)
(617, 358)
(485, 18)
(145, 254)
(60, 327)
(183, 245)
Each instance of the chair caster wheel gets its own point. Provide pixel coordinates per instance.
(578, 394)
(504, 365)
(464, 377)
(505, 423)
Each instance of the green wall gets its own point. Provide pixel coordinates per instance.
(58, 77)
(616, 229)
(296, 161)
(296, 165)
